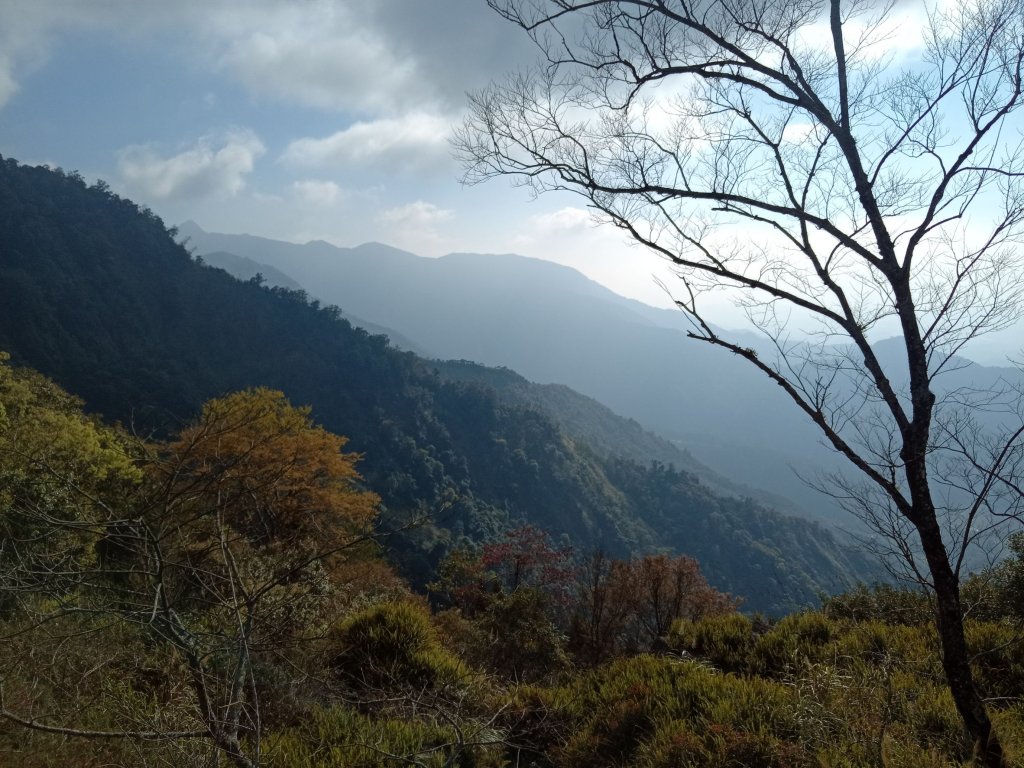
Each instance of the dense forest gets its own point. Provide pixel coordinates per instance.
(219, 597)
(97, 295)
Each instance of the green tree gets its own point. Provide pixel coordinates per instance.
(59, 473)
(516, 592)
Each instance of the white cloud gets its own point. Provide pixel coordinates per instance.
(315, 54)
(564, 220)
(417, 141)
(372, 57)
(417, 214)
(415, 226)
(797, 133)
(898, 32)
(316, 192)
(213, 167)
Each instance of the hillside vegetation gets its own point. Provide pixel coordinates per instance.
(219, 598)
(97, 295)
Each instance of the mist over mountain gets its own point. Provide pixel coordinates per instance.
(244, 268)
(97, 295)
(583, 417)
(553, 325)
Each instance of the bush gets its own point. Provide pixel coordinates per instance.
(343, 738)
(998, 654)
(393, 646)
(796, 639)
(725, 641)
(647, 710)
(880, 602)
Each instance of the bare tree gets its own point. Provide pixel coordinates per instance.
(838, 174)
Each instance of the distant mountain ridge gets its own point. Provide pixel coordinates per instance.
(507, 382)
(96, 294)
(553, 325)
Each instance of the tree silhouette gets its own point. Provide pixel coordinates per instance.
(787, 153)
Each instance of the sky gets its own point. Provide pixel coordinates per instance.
(307, 120)
(303, 120)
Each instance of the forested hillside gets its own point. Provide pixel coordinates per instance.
(96, 294)
(218, 598)
(552, 324)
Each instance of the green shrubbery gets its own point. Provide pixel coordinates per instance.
(392, 647)
(340, 737)
(348, 669)
(724, 641)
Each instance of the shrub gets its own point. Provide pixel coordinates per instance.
(340, 737)
(392, 646)
(880, 602)
(725, 641)
(796, 639)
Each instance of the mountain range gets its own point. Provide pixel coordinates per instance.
(553, 325)
(97, 294)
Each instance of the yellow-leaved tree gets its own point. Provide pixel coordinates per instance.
(222, 559)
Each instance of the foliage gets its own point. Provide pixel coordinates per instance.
(392, 648)
(726, 641)
(522, 592)
(629, 606)
(515, 592)
(207, 556)
(645, 710)
(254, 497)
(98, 295)
(340, 737)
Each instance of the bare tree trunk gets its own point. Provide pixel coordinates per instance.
(988, 751)
(949, 616)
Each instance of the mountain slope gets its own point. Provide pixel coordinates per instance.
(553, 325)
(98, 295)
(244, 268)
(597, 426)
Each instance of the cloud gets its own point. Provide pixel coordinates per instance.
(564, 220)
(371, 57)
(872, 35)
(417, 214)
(317, 192)
(415, 226)
(418, 141)
(29, 30)
(796, 133)
(213, 167)
(316, 54)
(367, 57)
(24, 46)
